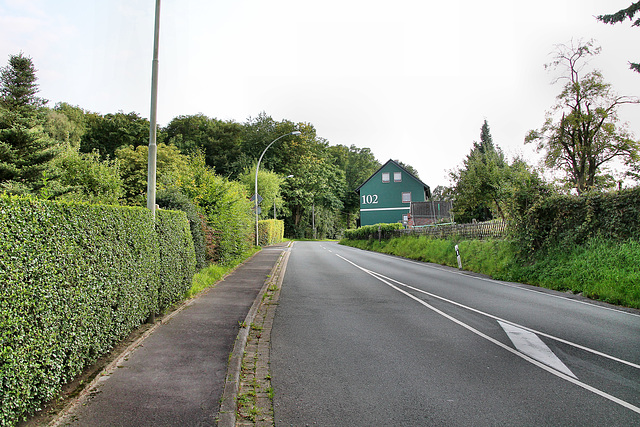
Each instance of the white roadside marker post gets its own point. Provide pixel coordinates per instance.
(458, 257)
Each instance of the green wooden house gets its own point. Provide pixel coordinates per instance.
(386, 196)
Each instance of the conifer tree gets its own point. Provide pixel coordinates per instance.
(25, 149)
(478, 184)
(620, 16)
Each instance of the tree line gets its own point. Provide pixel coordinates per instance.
(69, 153)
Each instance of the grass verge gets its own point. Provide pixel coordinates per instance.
(214, 272)
(601, 269)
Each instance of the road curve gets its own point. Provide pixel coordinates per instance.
(362, 339)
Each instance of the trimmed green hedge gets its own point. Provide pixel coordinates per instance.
(76, 279)
(371, 231)
(566, 221)
(270, 231)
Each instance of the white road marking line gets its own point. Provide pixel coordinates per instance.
(498, 343)
(507, 284)
(499, 319)
(530, 344)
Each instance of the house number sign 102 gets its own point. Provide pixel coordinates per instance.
(370, 199)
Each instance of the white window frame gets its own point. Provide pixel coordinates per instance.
(387, 176)
(397, 177)
(406, 193)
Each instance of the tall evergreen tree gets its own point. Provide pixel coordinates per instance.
(25, 149)
(486, 140)
(478, 184)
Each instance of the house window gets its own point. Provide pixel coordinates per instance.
(406, 197)
(405, 218)
(385, 176)
(397, 177)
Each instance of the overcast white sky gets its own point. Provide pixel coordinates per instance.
(411, 79)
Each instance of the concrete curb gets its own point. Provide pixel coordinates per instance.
(228, 406)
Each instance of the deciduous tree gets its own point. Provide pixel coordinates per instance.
(220, 141)
(268, 188)
(171, 167)
(581, 133)
(109, 132)
(86, 177)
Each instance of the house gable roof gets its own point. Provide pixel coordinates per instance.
(426, 187)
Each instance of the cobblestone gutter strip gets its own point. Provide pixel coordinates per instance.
(248, 397)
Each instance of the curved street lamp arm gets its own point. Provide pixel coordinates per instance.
(295, 132)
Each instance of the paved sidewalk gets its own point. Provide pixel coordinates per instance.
(176, 375)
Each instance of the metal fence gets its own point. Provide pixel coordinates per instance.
(431, 211)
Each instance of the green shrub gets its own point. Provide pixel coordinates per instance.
(76, 279)
(226, 207)
(176, 200)
(371, 231)
(270, 231)
(567, 221)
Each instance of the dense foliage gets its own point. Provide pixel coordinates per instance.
(487, 185)
(270, 231)
(175, 200)
(371, 231)
(478, 183)
(564, 221)
(225, 205)
(76, 279)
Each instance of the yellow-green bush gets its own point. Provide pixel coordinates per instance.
(270, 231)
(75, 280)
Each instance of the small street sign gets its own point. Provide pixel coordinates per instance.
(259, 198)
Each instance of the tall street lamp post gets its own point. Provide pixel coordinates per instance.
(153, 148)
(151, 161)
(295, 132)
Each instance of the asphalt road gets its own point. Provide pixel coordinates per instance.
(365, 339)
